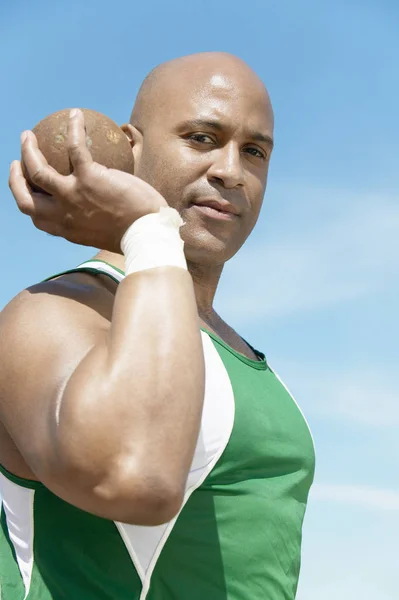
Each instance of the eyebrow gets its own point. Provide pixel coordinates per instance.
(214, 124)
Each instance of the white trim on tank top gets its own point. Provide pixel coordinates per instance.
(18, 509)
(145, 544)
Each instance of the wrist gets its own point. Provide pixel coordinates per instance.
(154, 241)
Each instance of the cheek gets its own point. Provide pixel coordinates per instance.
(170, 168)
(152, 168)
(256, 190)
(163, 175)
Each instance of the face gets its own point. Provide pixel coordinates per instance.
(207, 151)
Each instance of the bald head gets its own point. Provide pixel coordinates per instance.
(183, 76)
(202, 131)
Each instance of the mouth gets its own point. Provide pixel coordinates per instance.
(217, 210)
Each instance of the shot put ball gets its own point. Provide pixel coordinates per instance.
(106, 141)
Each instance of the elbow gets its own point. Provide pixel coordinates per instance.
(126, 488)
(140, 499)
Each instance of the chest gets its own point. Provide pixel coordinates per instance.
(269, 439)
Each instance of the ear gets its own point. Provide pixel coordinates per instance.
(135, 138)
(131, 133)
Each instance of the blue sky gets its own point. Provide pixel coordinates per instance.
(316, 285)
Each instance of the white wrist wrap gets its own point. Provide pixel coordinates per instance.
(154, 241)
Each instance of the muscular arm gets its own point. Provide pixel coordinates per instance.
(106, 414)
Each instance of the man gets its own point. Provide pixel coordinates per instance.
(147, 450)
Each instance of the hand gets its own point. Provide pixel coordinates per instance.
(93, 206)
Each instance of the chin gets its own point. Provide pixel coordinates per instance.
(210, 255)
(202, 246)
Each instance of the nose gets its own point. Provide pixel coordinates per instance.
(226, 167)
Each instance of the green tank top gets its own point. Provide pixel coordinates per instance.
(237, 536)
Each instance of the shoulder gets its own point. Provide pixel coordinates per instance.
(68, 297)
(46, 329)
(52, 324)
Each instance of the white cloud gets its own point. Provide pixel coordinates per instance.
(359, 495)
(367, 397)
(350, 544)
(338, 570)
(328, 248)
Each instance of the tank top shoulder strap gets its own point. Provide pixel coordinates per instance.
(94, 266)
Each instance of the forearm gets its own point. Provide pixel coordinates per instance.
(130, 414)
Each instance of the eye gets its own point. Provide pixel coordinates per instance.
(201, 138)
(255, 152)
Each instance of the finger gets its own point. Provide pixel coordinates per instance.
(49, 227)
(39, 171)
(79, 154)
(29, 203)
(62, 230)
(20, 189)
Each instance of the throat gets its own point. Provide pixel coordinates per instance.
(229, 336)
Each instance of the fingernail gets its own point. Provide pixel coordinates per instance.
(73, 113)
(24, 135)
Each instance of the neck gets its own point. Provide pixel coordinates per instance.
(205, 280)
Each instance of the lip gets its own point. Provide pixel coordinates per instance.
(217, 209)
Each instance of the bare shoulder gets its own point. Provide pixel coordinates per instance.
(45, 316)
(45, 332)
